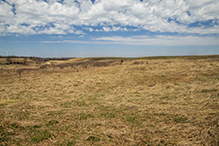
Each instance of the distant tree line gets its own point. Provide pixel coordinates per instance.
(39, 58)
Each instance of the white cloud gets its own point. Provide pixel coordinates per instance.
(79, 32)
(151, 15)
(91, 29)
(116, 28)
(106, 29)
(160, 40)
(54, 37)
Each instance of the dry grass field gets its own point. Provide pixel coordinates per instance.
(91, 101)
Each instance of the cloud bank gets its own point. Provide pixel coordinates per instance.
(192, 18)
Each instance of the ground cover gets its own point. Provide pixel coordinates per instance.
(165, 101)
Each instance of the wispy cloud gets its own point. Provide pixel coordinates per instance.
(160, 40)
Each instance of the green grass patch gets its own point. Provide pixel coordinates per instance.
(4, 135)
(83, 116)
(180, 119)
(68, 143)
(67, 104)
(164, 97)
(80, 103)
(53, 113)
(41, 136)
(93, 138)
(108, 114)
(135, 119)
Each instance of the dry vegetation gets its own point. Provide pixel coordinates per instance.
(169, 101)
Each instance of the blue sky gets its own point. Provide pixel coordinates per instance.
(93, 28)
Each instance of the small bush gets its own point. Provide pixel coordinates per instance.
(43, 66)
(137, 62)
(19, 71)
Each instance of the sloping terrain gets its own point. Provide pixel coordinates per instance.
(137, 101)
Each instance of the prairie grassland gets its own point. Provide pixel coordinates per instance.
(172, 101)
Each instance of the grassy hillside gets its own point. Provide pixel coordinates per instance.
(156, 101)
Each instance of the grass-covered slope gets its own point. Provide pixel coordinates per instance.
(170, 101)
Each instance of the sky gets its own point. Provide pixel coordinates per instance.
(109, 28)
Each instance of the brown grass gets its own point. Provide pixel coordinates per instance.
(170, 101)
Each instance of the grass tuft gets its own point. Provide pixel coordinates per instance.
(93, 138)
(182, 119)
(52, 122)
